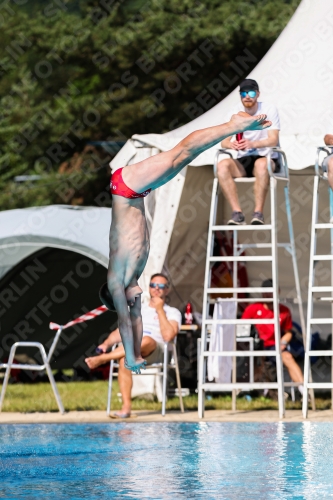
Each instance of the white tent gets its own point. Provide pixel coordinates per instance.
(295, 75)
(81, 230)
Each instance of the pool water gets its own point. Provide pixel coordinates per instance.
(167, 461)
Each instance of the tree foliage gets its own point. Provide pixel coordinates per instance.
(98, 70)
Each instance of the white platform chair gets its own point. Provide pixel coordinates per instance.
(163, 372)
(46, 358)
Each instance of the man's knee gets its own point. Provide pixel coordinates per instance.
(260, 168)
(287, 358)
(224, 168)
(148, 345)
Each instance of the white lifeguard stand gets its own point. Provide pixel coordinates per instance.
(272, 257)
(320, 175)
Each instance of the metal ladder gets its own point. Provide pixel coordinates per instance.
(238, 248)
(320, 174)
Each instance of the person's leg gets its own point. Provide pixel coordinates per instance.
(227, 171)
(261, 183)
(148, 346)
(159, 169)
(96, 361)
(125, 381)
(125, 325)
(136, 319)
(294, 370)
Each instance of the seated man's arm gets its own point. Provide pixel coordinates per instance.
(285, 339)
(227, 143)
(328, 139)
(113, 338)
(169, 328)
(286, 328)
(270, 142)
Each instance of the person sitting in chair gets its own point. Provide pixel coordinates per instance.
(161, 323)
(252, 149)
(264, 310)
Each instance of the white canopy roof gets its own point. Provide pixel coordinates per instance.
(82, 230)
(295, 75)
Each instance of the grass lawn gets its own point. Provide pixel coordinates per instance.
(93, 396)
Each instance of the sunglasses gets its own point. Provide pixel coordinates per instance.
(250, 93)
(161, 286)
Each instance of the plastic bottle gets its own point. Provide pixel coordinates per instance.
(188, 314)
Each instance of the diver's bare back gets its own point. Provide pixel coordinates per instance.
(129, 240)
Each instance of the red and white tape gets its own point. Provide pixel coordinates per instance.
(85, 317)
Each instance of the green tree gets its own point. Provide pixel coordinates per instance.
(84, 71)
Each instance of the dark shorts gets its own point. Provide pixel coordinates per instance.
(272, 359)
(249, 161)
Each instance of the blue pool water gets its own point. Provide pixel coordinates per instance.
(167, 461)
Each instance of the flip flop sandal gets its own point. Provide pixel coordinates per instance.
(120, 416)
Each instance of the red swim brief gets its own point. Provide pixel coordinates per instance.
(118, 186)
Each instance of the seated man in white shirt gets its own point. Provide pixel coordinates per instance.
(161, 323)
(251, 155)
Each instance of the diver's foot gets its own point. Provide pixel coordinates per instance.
(106, 297)
(136, 366)
(243, 121)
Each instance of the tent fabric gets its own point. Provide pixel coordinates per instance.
(55, 285)
(82, 230)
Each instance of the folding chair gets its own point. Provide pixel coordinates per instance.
(45, 366)
(46, 358)
(164, 373)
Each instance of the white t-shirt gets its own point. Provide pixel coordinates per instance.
(151, 324)
(257, 135)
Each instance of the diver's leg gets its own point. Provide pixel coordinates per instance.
(124, 321)
(159, 169)
(136, 319)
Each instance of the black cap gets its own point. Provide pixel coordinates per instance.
(267, 283)
(248, 84)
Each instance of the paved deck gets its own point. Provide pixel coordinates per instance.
(149, 416)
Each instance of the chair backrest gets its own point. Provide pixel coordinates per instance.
(321, 163)
(54, 344)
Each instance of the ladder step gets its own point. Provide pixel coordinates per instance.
(243, 227)
(321, 321)
(238, 321)
(245, 246)
(320, 385)
(244, 258)
(239, 354)
(248, 289)
(323, 257)
(315, 289)
(212, 387)
(326, 352)
(327, 225)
